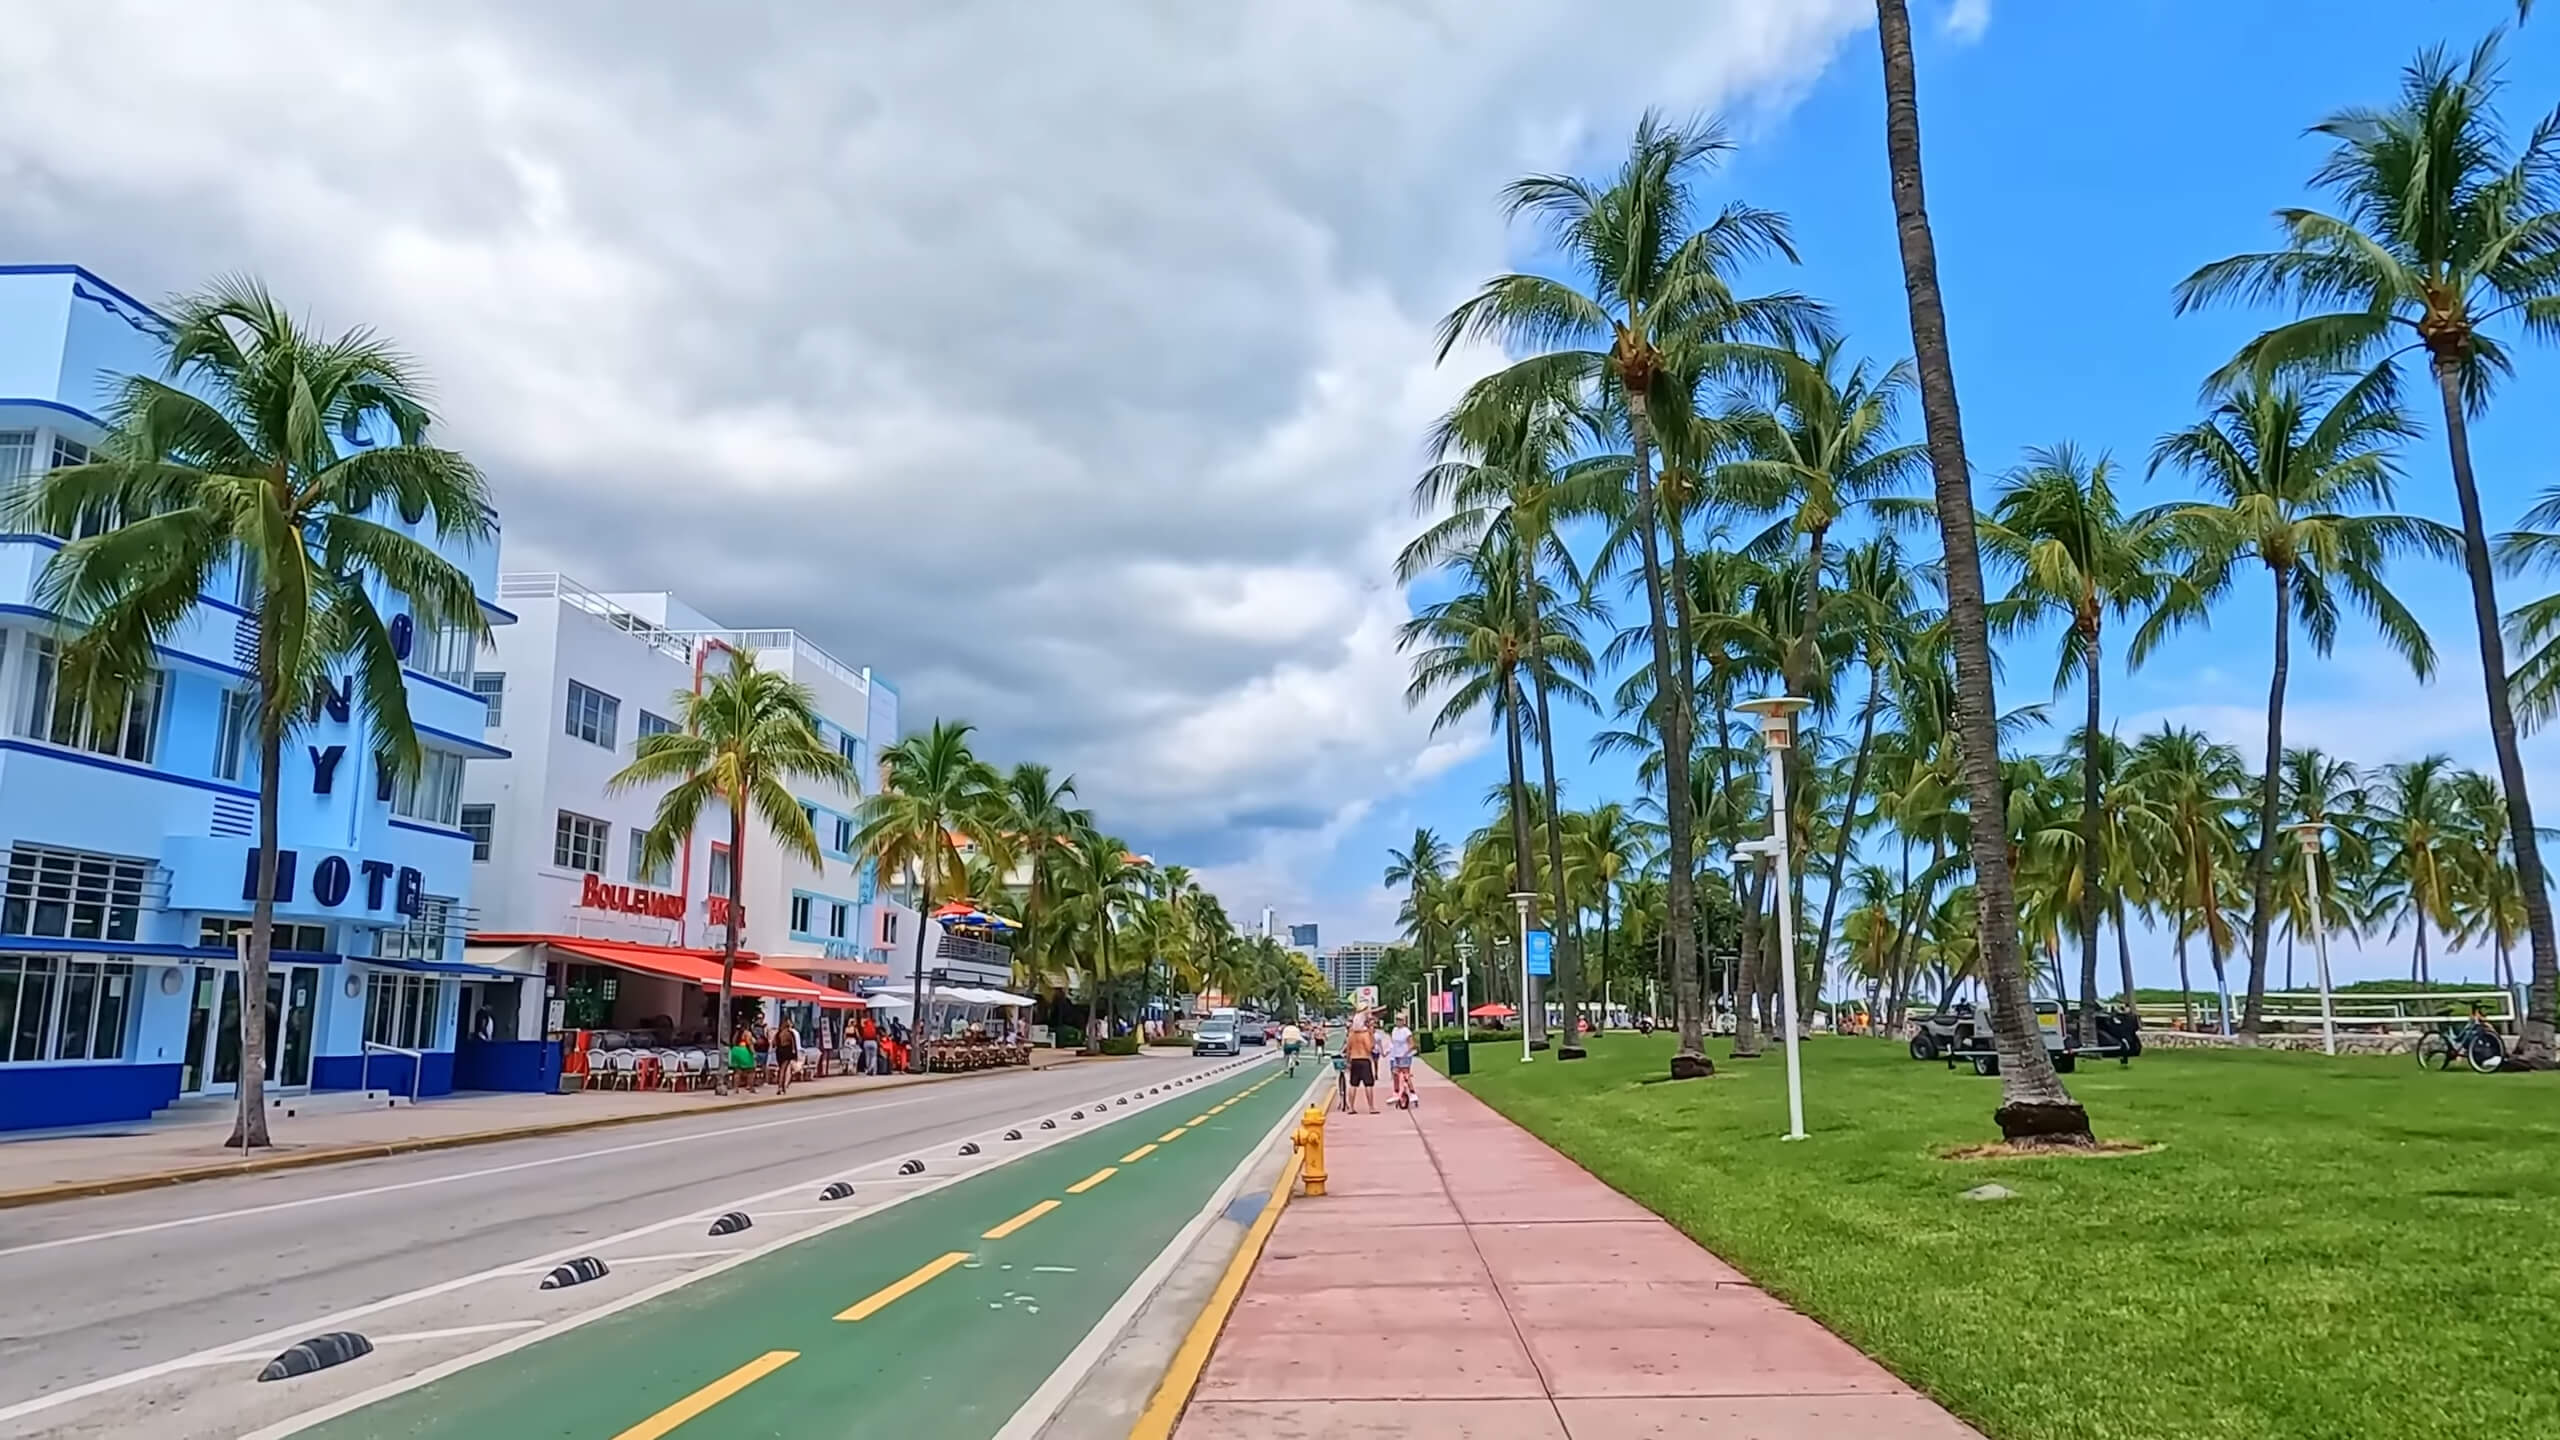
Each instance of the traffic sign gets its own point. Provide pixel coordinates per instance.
(1542, 952)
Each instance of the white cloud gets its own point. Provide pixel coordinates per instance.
(1065, 362)
(1967, 19)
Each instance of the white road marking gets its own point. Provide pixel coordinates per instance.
(1033, 1143)
(457, 1177)
(492, 1328)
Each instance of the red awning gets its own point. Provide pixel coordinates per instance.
(693, 967)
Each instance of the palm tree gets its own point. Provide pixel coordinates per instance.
(743, 738)
(2485, 902)
(232, 459)
(1419, 867)
(2447, 229)
(2079, 558)
(935, 792)
(2034, 1103)
(1656, 306)
(1102, 886)
(1503, 474)
(1037, 819)
(1479, 646)
(2292, 484)
(2196, 786)
(1608, 850)
(2420, 831)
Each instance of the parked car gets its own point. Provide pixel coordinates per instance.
(1215, 1037)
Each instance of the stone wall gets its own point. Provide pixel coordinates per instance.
(2349, 1043)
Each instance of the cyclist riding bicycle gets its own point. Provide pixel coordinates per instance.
(1290, 1041)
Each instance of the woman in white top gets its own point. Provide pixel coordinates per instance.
(1400, 1063)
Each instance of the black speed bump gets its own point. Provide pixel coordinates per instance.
(837, 1191)
(911, 1167)
(969, 1147)
(1048, 1124)
(732, 1223)
(575, 1272)
(1013, 1134)
(317, 1353)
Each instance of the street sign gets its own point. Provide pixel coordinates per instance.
(1542, 952)
(1364, 997)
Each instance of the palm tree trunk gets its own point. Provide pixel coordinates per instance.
(2538, 1043)
(249, 1129)
(1671, 718)
(2124, 958)
(2093, 861)
(1524, 875)
(1569, 973)
(924, 922)
(2288, 957)
(1849, 811)
(737, 919)
(1750, 891)
(2270, 791)
(2034, 1104)
(2186, 989)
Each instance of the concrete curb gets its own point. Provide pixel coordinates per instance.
(1182, 1377)
(337, 1154)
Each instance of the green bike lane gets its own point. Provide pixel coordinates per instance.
(954, 1330)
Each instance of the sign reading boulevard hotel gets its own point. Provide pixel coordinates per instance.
(630, 900)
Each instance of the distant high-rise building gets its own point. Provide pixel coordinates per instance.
(1355, 964)
(1267, 931)
(1302, 937)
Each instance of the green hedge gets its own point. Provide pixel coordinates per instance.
(1120, 1044)
(1179, 1040)
(1067, 1037)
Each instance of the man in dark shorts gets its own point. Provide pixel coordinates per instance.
(786, 1055)
(1360, 1051)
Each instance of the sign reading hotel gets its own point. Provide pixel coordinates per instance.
(597, 894)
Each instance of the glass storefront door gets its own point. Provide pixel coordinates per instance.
(213, 1028)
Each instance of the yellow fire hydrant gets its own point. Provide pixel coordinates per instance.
(1310, 1143)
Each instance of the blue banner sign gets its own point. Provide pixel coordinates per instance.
(1542, 952)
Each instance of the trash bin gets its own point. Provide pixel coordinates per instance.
(1459, 1064)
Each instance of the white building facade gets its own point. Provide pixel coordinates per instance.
(572, 687)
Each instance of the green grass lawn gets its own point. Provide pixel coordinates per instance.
(2346, 1247)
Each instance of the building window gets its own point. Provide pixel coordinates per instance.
(72, 894)
(446, 652)
(578, 843)
(17, 455)
(246, 583)
(479, 822)
(401, 1010)
(491, 685)
(594, 716)
(836, 920)
(849, 745)
(656, 725)
(235, 730)
(719, 882)
(799, 914)
(55, 1007)
(888, 927)
(54, 716)
(844, 835)
(656, 877)
(302, 939)
(68, 452)
(434, 792)
(423, 938)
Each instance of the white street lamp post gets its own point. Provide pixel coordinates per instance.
(1523, 899)
(2309, 833)
(1777, 734)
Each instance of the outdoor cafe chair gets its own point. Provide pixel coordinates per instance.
(599, 1067)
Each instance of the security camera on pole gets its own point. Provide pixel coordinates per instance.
(2309, 833)
(1777, 735)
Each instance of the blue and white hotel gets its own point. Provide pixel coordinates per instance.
(129, 847)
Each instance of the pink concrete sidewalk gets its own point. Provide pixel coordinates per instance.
(1462, 1281)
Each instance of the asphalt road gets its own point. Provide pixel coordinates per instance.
(123, 1303)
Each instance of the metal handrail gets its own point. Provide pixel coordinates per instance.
(364, 1067)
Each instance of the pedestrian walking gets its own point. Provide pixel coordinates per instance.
(1400, 1063)
(1360, 1051)
(786, 1055)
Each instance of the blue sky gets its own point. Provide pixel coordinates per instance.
(2082, 159)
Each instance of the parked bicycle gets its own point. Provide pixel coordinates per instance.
(2470, 1040)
